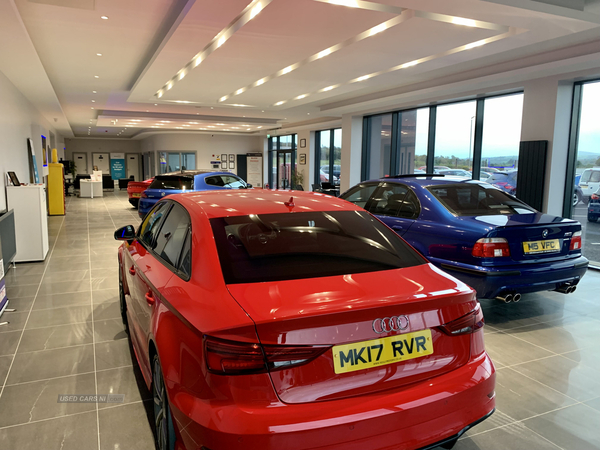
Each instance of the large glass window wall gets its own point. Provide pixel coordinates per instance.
(282, 162)
(582, 191)
(328, 145)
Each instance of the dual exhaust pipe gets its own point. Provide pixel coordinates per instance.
(509, 297)
(566, 289)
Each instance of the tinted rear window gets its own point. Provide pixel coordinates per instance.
(468, 199)
(273, 247)
(590, 176)
(172, 182)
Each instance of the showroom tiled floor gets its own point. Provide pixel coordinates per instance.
(66, 337)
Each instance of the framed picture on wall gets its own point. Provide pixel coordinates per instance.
(223, 165)
(223, 157)
(231, 157)
(302, 143)
(231, 164)
(302, 158)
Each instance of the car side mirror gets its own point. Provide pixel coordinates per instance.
(248, 186)
(126, 233)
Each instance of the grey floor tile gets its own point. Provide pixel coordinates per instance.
(34, 269)
(21, 304)
(51, 364)
(137, 435)
(59, 316)
(65, 433)
(573, 428)
(62, 300)
(127, 381)
(35, 401)
(19, 278)
(595, 403)
(56, 337)
(8, 342)
(105, 263)
(68, 263)
(105, 282)
(27, 290)
(105, 296)
(112, 354)
(107, 310)
(5, 362)
(564, 375)
(589, 356)
(109, 330)
(63, 287)
(508, 350)
(521, 398)
(16, 321)
(74, 275)
(105, 273)
(511, 437)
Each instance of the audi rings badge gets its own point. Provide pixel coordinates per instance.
(387, 324)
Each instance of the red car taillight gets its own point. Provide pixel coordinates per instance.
(575, 241)
(466, 324)
(491, 248)
(238, 358)
(595, 197)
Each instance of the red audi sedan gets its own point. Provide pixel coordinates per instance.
(276, 320)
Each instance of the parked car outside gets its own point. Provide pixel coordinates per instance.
(187, 180)
(324, 177)
(594, 208)
(135, 189)
(507, 181)
(590, 183)
(264, 321)
(456, 172)
(337, 170)
(490, 240)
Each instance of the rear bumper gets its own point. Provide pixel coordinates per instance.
(415, 417)
(524, 278)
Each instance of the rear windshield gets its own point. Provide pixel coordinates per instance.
(590, 176)
(172, 182)
(273, 247)
(468, 199)
(502, 177)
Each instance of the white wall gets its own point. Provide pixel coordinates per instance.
(206, 146)
(90, 146)
(19, 120)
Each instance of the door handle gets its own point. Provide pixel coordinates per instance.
(132, 270)
(150, 297)
(397, 228)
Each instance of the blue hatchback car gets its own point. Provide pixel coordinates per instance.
(476, 232)
(184, 181)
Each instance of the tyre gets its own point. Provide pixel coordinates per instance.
(592, 218)
(576, 198)
(165, 432)
(122, 302)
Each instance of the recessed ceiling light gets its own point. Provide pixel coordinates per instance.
(463, 21)
(92, 107)
(263, 110)
(96, 76)
(104, 17)
(410, 64)
(210, 108)
(222, 99)
(222, 124)
(221, 41)
(324, 53)
(328, 88)
(198, 61)
(93, 101)
(308, 114)
(259, 82)
(255, 10)
(348, 3)
(98, 54)
(300, 97)
(363, 78)
(94, 92)
(258, 127)
(378, 29)
(475, 44)
(279, 103)
(169, 85)
(288, 69)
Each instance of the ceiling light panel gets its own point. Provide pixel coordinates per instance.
(263, 46)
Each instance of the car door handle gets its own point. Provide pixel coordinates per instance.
(397, 228)
(150, 297)
(132, 270)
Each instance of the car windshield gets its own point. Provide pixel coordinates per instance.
(172, 182)
(474, 199)
(274, 247)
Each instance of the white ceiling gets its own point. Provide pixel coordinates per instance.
(319, 58)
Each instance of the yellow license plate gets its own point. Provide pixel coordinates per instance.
(550, 246)
(381, 352)
(136, 194)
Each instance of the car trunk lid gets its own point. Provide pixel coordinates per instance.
(339, 312)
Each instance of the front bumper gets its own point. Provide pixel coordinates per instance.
(523, 278)
(419, 416)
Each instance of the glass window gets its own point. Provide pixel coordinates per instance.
(411, 207)
(501, 134)
(360, 195)
(151, 224)
(162, 162)
(412, 141)
(173, 162)
(273, 247)
(185, 261)
(388, 199)
(478, 200)
(172, 182)
(454, 132)
(233, 182)
(380, 146)
(329, 156)
(324, 153)
(188, 161)
(172, 234)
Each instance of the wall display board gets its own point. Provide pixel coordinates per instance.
(255, 170)
(117, 165)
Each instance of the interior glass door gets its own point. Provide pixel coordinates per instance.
(284, 170)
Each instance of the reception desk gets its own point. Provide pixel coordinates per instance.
(90, 189)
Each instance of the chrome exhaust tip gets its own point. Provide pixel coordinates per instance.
(571, 289)
(506, 298)
(516, 297)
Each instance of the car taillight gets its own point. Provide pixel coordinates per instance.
(466, 324)
(491, 248)
(595, 197)
(575, 241)
(238, 358)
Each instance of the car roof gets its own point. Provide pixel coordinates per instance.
(191, 173)
(425, 181)
(243, 202)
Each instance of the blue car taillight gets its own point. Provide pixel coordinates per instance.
(491, 248)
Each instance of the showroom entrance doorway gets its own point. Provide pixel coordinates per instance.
(284, 169)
